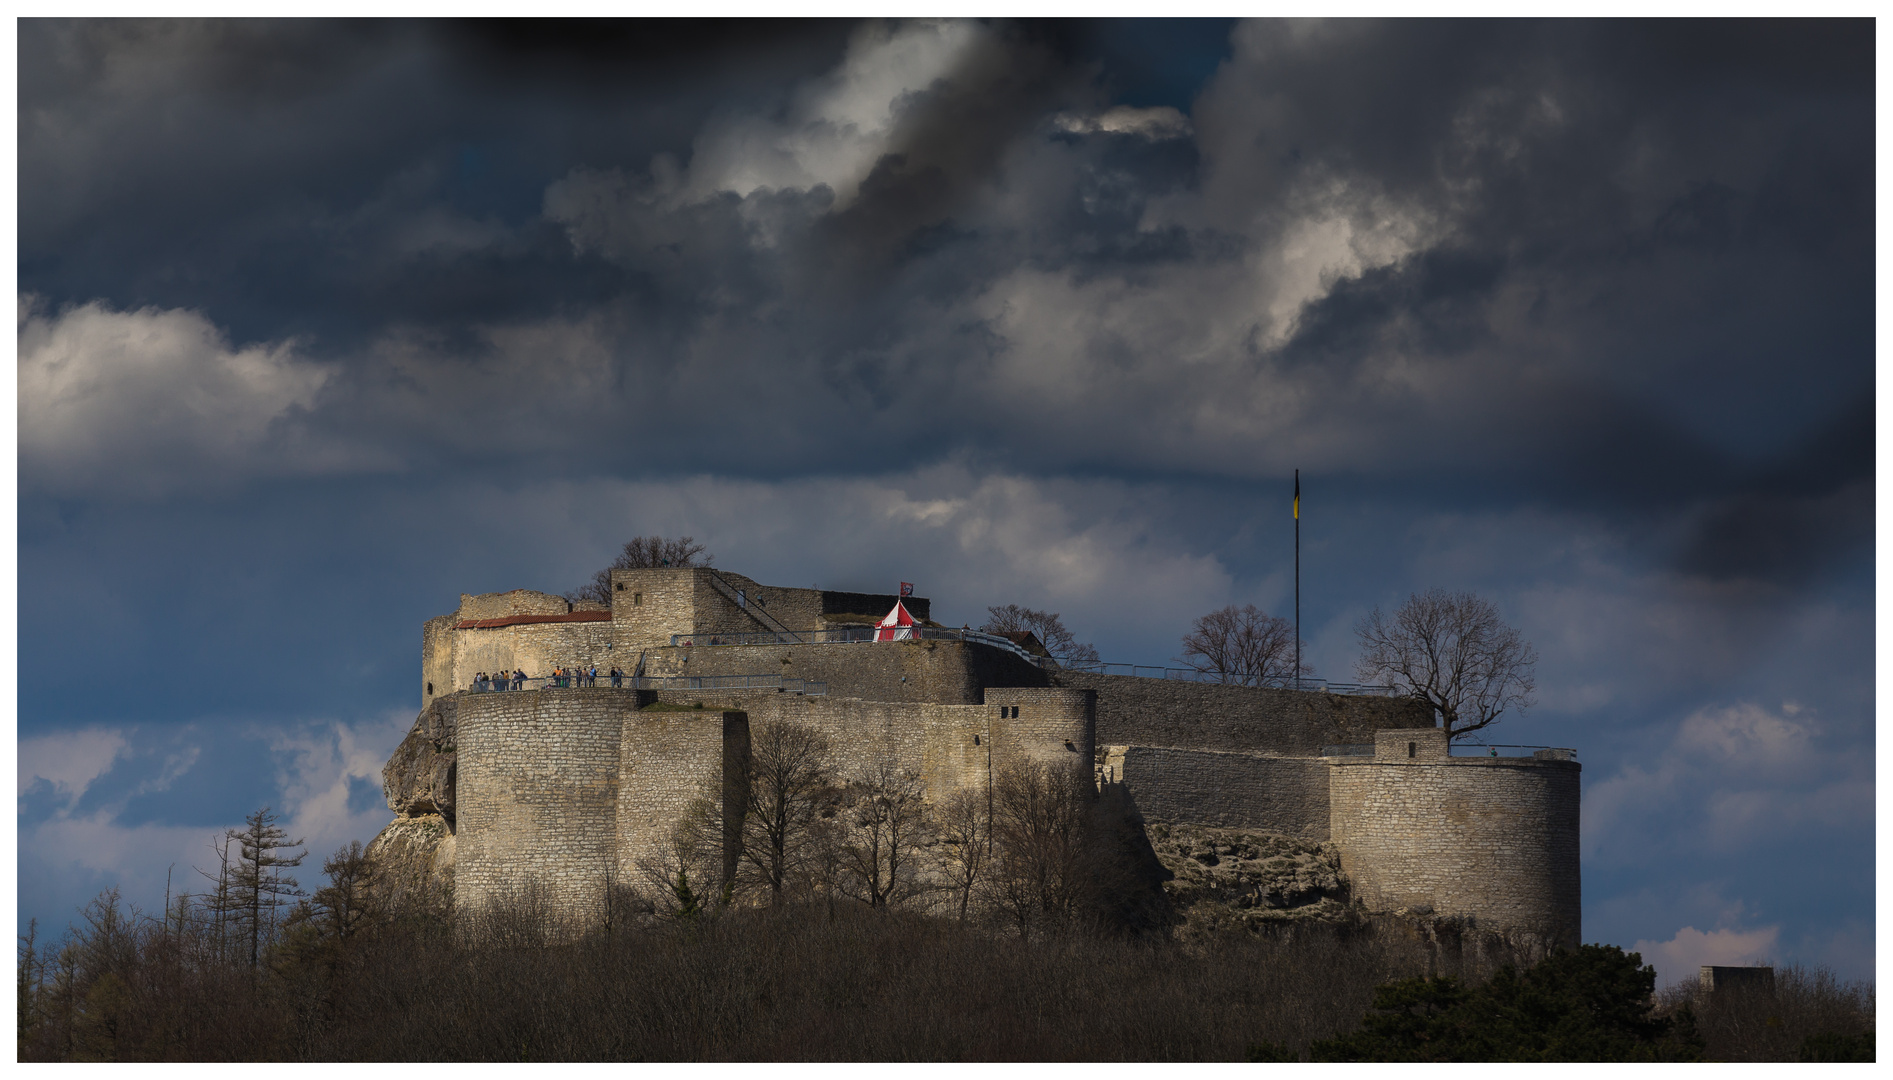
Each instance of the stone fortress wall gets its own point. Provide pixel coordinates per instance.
(571, 788)
(1495, 839)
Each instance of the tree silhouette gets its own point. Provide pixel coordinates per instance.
(1451, 651)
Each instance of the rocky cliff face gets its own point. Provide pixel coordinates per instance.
(1240, 878)
(416, 851)
(418, 779)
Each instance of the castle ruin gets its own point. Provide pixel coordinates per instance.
(571, 786)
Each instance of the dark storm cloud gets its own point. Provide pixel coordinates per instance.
(1606, 265)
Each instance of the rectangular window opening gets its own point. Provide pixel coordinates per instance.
(1413, 749)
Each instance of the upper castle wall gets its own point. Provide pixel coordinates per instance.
(946, 672)
(1287, 795)
(1214, 716)
(517, 602)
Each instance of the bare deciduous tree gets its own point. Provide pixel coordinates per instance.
(1041, 866)
(790, 780)
(1243, 645)
(884, 822)
(682, 883)
(964, 823)
(641, 552)
(1453, 652)
(1049, 628)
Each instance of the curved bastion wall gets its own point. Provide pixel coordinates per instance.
(538, 796)
(1491, 839)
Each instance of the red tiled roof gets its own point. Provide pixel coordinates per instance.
(515, 620)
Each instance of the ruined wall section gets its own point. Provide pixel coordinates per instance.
(516, 602)
(1492, 839)
(538, 796)
(1211, 716)
(1225, 789)
(437, 658)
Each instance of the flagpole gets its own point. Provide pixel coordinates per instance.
(1298, 579)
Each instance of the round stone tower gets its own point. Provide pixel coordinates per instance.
(1492, 839)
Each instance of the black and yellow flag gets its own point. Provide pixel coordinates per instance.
(1297, 494)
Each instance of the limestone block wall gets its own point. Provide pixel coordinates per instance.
(667, 760)
(946, 672)
(517, 602)
(950, 746)
(1211, 716)
(1495, 839)
(437, 658)
(648, 606)
(1287, 795)
(537, 796)
(1042, 725)
(534, 648)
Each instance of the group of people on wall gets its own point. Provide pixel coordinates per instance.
(561, 677)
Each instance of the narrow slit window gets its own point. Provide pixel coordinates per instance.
(1413, 749)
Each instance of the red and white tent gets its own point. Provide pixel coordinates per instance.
(898, 626)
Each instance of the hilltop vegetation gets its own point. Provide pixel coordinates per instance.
(838, 980)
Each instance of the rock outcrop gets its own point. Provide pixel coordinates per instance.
(415, 853)
(1240, 878)
(418, 779)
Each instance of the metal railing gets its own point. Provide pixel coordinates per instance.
(806, 687)
(865, 634)
(1194, 675)
(861, 635)
(1552, 753)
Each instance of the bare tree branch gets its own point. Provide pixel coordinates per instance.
(1243, 645)
(641, 552)
(1046, 625)
(1453, 652)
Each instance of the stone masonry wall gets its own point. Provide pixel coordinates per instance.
(667, 760)
(535, 648)
(517, 602)
(1211, 716)
(538, 796)
(1286, 795)
(1495, 839)
(950, 746)
(946, 672)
